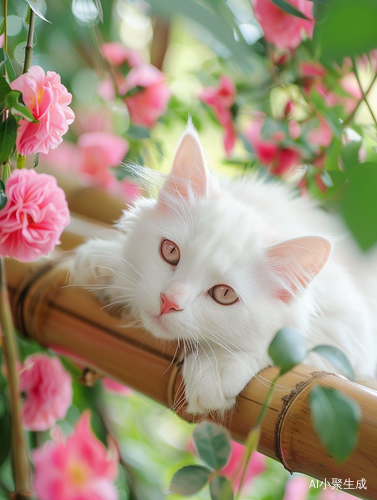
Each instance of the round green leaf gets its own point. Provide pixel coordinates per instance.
(221, 489)
(335, 418)
(212, 444)
(189, 480)
(337, 358)
(287, 349)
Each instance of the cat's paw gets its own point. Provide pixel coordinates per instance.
(89, 270)
(204, 387)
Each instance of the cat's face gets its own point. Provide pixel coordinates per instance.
(204, 273)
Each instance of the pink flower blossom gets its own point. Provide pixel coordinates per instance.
(117, 54)
(113, 387)
(129, 190)
(48, 392)
(62, 159)
(321, 135)
(280, 160)
(297, 488)
(97, 151)
(255, 467)
(149, 103)
(281, 29)
(34, 217)
(48, 101)
(77, 468)
(221, 99)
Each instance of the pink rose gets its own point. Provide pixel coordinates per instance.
(113, 387)
(48, 392)
(117, 54)
(280, 160)
(255, 467)
(321, 135)
(48, 101)
(34, 217)
(221, 99)
(77, 468)
(281, 29)
(149, 103)
(97, 151)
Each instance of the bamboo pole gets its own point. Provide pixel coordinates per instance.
(70, 321)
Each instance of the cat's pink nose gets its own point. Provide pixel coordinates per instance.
(166, 305)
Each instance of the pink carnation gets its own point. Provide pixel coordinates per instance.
(114, 387)
(77, 468)
(281, 29)
(48, 101)
(255, 467)
(149, 103)
(117, 54)
(97, 151)
(221, 99)
(48, 392)
(279, 159)
(34, 217)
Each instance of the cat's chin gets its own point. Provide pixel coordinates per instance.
(156, 325)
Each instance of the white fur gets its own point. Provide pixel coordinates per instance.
(224, 231)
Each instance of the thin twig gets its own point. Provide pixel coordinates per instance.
(356, 71)
(30, 38)
(10, 351)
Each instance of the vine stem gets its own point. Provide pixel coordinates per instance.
(29, 44)
(10, 351)
(356, 71)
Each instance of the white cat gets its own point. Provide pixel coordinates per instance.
(225, 265)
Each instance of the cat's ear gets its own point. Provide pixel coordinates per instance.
(296, 262)
(189, 173)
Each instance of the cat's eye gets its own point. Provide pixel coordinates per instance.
(223, 294)
(170, 252)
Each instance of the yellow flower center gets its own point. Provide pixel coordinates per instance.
(78, 473)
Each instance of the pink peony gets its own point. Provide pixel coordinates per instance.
(149, 103)
(221, 99)
(48, 101)
(255, 467)
(97, 151)
(113, 387)
(279, 159)
(77, 468)
(34, 217)
(281, 29)
(117, 54)
(48, 392)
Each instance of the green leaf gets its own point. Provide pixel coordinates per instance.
(287, 349)
(289, 9)
(15, 104)
(34, 7)
(8, 133)
(359, 204)
(336, 420)
(5, 429)
(212, 444)
(137, 133)
(346, 28)
(220, 488)
(4, 88)
(36, 160)
(349, 155)
(2, 27)
(3, 196)
(189, 480)
(337, 358)
(8, 65)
